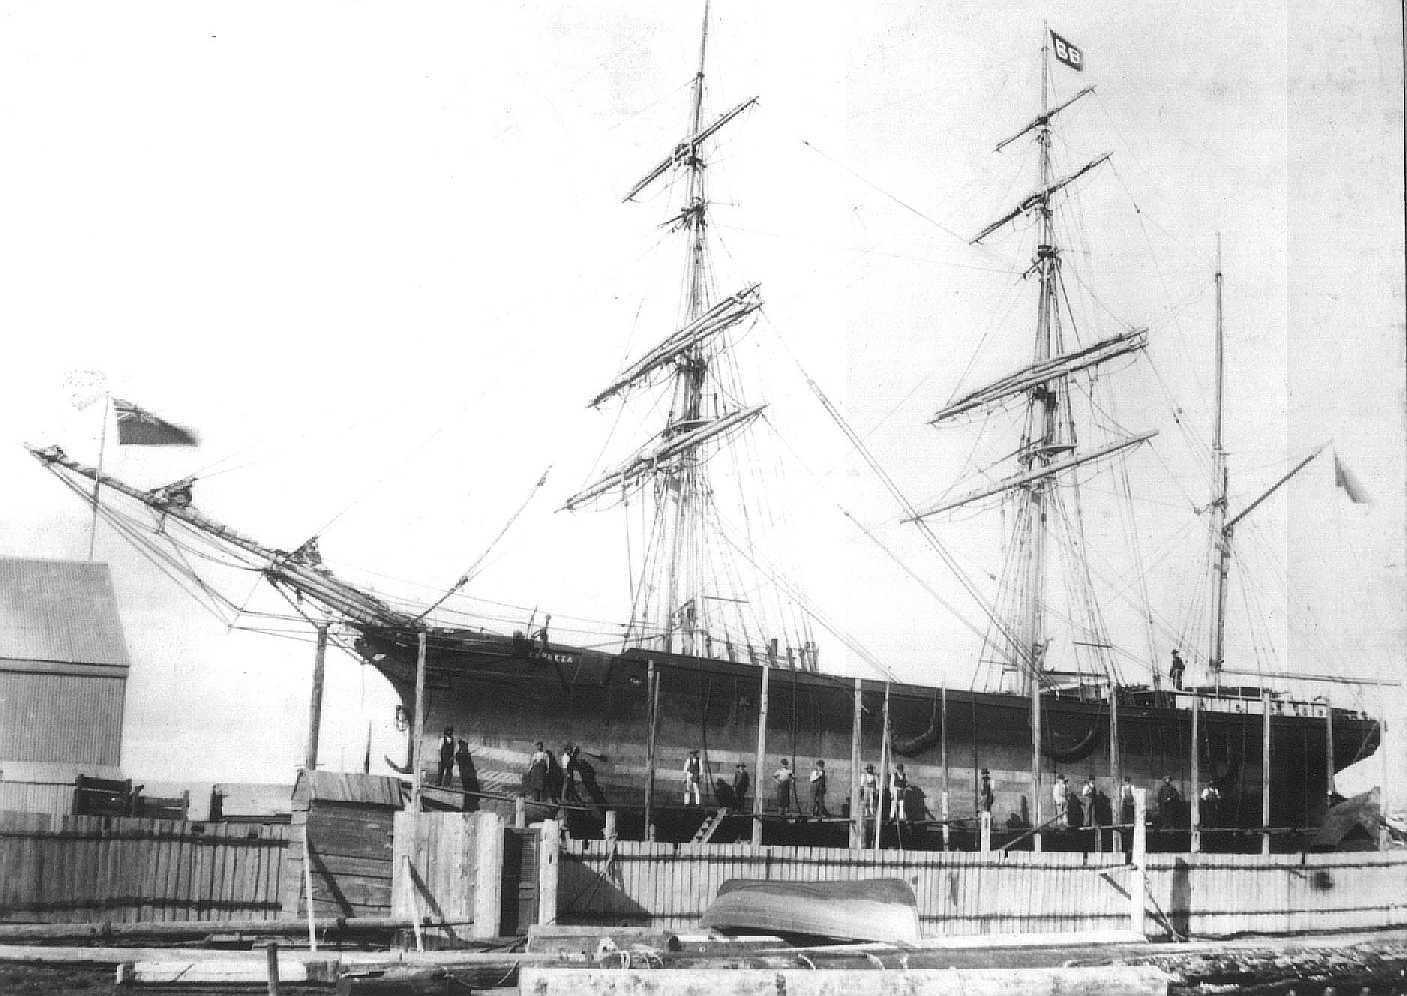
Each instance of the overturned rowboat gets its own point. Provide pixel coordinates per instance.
(880, 909)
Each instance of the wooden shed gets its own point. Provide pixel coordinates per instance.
(63, 679)
(342, 827)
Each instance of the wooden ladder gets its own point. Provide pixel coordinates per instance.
(709, 826)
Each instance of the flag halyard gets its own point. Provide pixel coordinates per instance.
(1071, 55)
(138, 427)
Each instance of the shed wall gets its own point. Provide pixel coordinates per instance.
(48, 716)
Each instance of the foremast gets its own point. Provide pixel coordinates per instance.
(668, 610)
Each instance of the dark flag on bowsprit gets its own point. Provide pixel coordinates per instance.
(139, 427)
(1072, 55)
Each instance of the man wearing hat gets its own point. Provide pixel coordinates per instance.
(782, 776)
(869, 790)
(741, 783)
(692, 770)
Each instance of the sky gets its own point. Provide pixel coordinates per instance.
(377, 256)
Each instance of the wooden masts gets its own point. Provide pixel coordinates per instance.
(671, 610)
(1221, 539)
(1040, 434)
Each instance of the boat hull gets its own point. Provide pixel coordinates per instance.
(503, 694)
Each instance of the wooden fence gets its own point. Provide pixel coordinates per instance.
(670, 885)
(80, 868)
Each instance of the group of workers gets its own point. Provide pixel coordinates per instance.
(788, 793)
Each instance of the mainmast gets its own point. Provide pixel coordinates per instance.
(1048, 453)
(1221, 539)
(1043, 405)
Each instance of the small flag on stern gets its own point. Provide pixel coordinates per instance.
(1344, 478)
(1072, 55)
(139, 427)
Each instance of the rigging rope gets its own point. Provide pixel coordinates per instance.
(469, 573)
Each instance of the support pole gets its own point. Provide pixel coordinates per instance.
(611, 835)
(271, 966)
(520, 813)
(883, 771)
(310, 758)
(1328, 753)
(943, 748)
(1037, 790)
(417, 741)
(761, 761)
(488, 872)
(1265, 773)
(308, 890)
(1195, 802)
(1116, 763)
(652, 706)
(857, 819)
(986, 832)
(1138, 865)
(1383, 836)
(550, 852)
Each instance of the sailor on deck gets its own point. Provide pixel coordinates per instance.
(1089, 795)
(535, 781)
(446, 773)
(818, 789)
(1126, 802)
(693, 769)
(782, 776)
(985, 795)
(898, 794)
(1060, 794)
(869, 790)
(742, 781)
(1175, 672)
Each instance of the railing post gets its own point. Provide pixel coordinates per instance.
(1138, 868)
(986, 832)
(610, 827)
(520, 812)
(488, 884)
(549, 854)
(943, 801)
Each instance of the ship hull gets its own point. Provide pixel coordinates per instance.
(501, 695)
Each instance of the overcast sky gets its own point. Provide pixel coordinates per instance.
(376, 255)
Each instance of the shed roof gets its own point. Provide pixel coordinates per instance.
(59, 610)
(347, 786)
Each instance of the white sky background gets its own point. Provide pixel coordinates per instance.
(376, 254)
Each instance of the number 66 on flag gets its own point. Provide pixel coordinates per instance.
(1069, 54)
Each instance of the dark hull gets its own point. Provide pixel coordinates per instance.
(502, 694)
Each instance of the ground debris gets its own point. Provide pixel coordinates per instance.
(1347, 971)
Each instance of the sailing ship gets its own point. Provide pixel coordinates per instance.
(693, 673)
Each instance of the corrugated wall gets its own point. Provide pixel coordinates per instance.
(60, 717)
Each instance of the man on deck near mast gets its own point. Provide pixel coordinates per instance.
(1175, 672)
(692, 770)
(446, 773)
(782, 776)
(818, 789)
